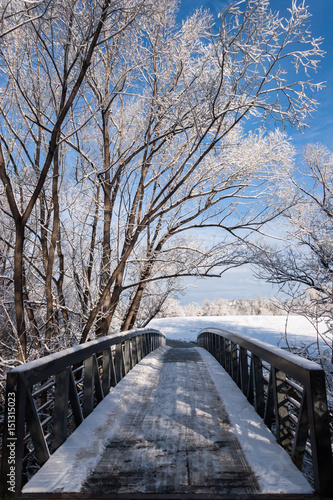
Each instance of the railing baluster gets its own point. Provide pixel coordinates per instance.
(281, 409)
(106, 376)
(60, 409)
(258, 386)
(88, 387)
(74, 400)
(118, 361)
(244, 369)
(301, 433)
(234, 361)
(269, 405)
(134, 351)
(113, 369)
(36, 431)
(139, 347)
(250, 388)
(123, 362)
(223, 352)
(144, 345)
(131, 362)
(227, 356)
(97, 381)
(127, 362)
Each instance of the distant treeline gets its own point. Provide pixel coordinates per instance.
(224, 307)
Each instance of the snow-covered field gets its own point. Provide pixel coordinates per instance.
(270, 329)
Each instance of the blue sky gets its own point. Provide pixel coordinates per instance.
(240, 283)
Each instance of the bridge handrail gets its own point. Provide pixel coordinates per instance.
(299, 412)
(39, 393)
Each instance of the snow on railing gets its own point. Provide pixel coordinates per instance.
(287, 391)
(47, 399)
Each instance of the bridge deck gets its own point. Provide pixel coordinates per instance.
(165, 429)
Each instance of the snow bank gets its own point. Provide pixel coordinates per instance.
(270, 329)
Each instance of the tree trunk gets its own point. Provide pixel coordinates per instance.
(19, 294)
(133, 309)
(104, 321)
(50, 316)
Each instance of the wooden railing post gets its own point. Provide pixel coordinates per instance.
(14, 431)
(319, 432)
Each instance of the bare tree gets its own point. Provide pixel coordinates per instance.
(121, 137)
(303, 265)
(191, 103)
(62, 63)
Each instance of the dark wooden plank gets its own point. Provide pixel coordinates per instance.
(191, 452)
(163, 496)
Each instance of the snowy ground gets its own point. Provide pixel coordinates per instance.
(270, 329)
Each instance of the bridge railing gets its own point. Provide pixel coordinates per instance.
(47, 399)
(287, 391)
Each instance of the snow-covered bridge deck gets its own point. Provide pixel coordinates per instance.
(176, 424)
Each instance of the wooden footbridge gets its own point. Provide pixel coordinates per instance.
(127, 416)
